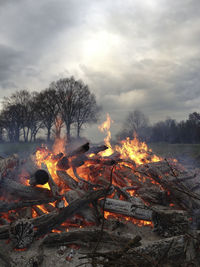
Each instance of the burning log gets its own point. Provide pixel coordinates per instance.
(127, 209)
(22, 191)
(63, 163)
(168, 223)
(97, 149)
(80, 150)
(52, 184)
(21, 233)
(69, 211)
(6, 206)
(40, 177)
(84, 237)
(67, 180)
(78, 161)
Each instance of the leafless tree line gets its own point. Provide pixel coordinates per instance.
(169, 130)
(66, 102)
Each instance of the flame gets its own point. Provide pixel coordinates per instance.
(95, 170)
(136, 151)
(105, 127)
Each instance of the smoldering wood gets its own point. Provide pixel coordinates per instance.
(165, 167)
(78, 161)
(38, 211)
(166, 250)
(6, 206)
(179, 192)
(69, 211)
(126, 208)
(90, 185)
(49, 207)
(127, 173)
(67, 180)
(87, 212)
(18, 190)
(153, 195)
(170, 222)
(21, 233)
(86, 237)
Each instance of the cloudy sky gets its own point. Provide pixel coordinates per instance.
(133, 54)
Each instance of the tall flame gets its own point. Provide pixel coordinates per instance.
(105, 127)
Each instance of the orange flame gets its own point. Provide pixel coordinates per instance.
(105, 127)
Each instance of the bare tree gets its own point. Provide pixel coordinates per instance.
(47, 107)
(136, 121)
(21, 111)
(72, 95)
(87, 110)
(11, 121)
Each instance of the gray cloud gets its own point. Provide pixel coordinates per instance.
(133, 54)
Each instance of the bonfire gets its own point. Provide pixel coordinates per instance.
(100, 205)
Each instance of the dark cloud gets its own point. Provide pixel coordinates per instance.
(133, 54)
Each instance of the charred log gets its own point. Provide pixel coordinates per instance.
(127, 209)
(40, 177)
(67, 180)
(21, 233)
(168, 223)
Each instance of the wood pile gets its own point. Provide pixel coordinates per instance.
(160, 194)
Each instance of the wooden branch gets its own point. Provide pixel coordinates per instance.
(126, 208)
